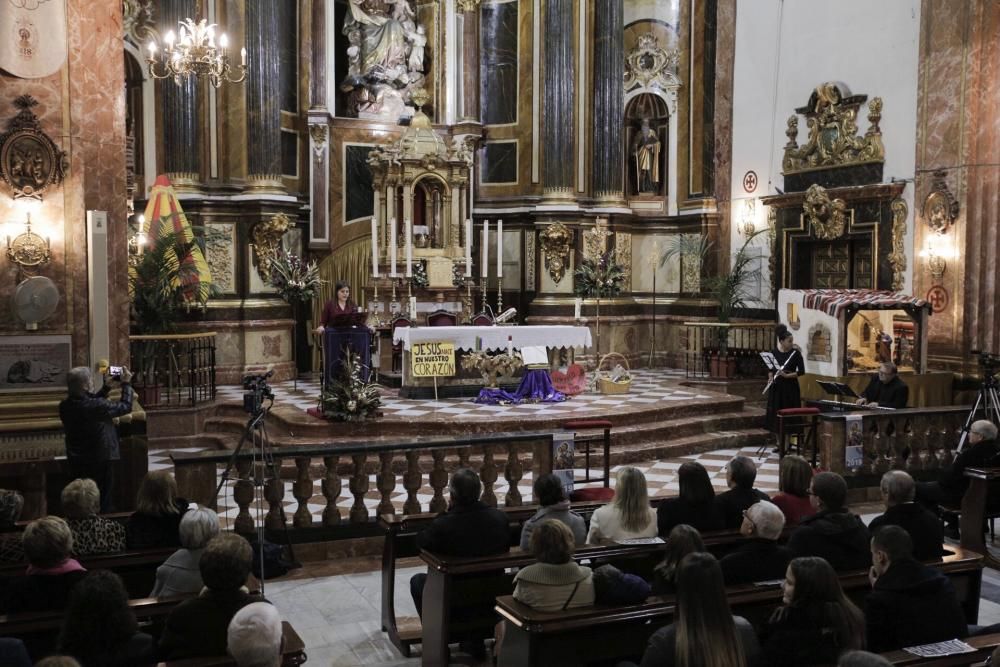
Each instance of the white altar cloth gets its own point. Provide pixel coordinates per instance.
(495, 338)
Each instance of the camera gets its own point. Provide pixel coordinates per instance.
(255, 390)
(115, 372)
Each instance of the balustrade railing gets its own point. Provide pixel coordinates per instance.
(726, 349)
(408, 464)
(172, 371)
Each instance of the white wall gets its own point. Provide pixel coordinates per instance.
(784, 49)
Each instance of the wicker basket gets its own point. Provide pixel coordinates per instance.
(605, 384)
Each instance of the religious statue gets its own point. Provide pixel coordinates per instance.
(646, 150)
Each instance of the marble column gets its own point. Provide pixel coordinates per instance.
(263, 96)
(609, 100)
(181, 124)
(558, 100)
(317, 76)
(470, 58)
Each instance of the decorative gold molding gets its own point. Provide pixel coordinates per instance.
(529, 261)
(318, 133)
(833, 140)
(827, 217)
(595, 241)
(138, 24)
(623, 257)
(30, 162)
(266, 241)
(649, 65)
(897, 258)
(940, 206)
(466, 6)
(772, 238)
(555, 241)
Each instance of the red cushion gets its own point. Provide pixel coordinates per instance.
(581, 424)
(790, 412)
(592, 494)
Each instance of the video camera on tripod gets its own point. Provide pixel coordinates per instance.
(255, 390)
(988, 399)
(989, 363)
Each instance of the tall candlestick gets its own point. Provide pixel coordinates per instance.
(392, 249)
(374, 247)
(577, 306)
(500, 248)
(413, 308)
(409, 248)
(468, 247)
(484, 267)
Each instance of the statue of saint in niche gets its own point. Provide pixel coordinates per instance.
(646, 150)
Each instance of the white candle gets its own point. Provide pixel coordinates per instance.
(413, 308)
(500, 248)
(392, 249)
(409, 248)
(577, 306)
(484, 267)
(374, 247)
(468, 247)
(510, 346)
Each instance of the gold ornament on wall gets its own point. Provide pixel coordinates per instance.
(595, 241)
(940, 206)
(828, 217)
(650, 65)
(318, 132)
(266, 241)
(556, 240)
(833, 140)
(897, 257)
(30, 162)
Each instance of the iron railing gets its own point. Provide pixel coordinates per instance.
(173, 371)
(726, 349)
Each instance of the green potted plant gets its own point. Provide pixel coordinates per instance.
(597, 278)
(298, 283)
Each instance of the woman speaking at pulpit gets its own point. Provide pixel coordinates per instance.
(340, 304)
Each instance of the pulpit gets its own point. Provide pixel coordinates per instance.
(337, 340)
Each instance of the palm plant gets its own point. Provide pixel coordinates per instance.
(732, 290)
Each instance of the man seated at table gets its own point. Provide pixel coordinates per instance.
(886, 390)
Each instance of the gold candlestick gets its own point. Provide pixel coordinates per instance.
(499, 297)
(482, 288)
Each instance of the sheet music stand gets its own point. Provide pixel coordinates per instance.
(838, 389)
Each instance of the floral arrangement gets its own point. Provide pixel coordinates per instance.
(458, 273)
(601, 278)
(419, 277)
(296, 280)
(349, 397)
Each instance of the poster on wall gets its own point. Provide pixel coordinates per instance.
(32, 37)
(34, 363)
(563, 449)
(854, 448)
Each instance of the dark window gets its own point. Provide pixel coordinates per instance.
(289, 153)
(358, 183)
(500, 162)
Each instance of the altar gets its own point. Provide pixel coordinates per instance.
(468, 339)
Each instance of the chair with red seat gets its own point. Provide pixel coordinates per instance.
(482, 320)
(442, 318)
(803, 424)
(599, 493)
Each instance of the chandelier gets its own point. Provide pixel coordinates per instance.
(193, 51)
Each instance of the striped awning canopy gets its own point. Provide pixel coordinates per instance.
(834, 301)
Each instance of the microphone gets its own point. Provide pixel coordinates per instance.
(506, 315)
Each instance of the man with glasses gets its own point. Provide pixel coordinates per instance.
(886, 390)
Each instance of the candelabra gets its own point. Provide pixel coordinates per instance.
(483, 285)
(194, 51)
(499, 295)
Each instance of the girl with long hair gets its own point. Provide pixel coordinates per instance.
(158, 511)
(816, 622)
(704, 632)
(629, 515)
(99, 629)
(683, 540)
(694, 504)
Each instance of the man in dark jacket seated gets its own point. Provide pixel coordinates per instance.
(980, 450)
(740, 475)
(886, 390)
(923, 526)
(759, 558)
(198, 627)
(910, 603)
(833, 532)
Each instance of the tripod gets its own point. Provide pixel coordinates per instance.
(988, 400)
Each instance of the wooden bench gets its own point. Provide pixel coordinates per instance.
(292, 653)
(984, 645)
(974, 504)
(586, 634)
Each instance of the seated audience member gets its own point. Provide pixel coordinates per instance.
(683, 540)
(833, 533)
(816, 622)
(13, 653)
(614, 587)
(468, 528)
(255, 636)
(910, 603)
(158, 511)
(52, 573)
(760, 558)
(628, 515)
(704, 631)
(555, 582)
(197, 627)
(57, 661)
(92, 534)
(862, 659)
(551, 496)
(11, 504)
(924, 527)
(99, 629)
(694, 504)
(180, 573)
(740, 475)
(794, 475)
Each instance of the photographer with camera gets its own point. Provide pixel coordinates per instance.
(91, 436)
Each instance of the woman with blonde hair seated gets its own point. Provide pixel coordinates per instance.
(555, 582)
(629, 515)
(180, 573)
(158, 511)
(92, 534)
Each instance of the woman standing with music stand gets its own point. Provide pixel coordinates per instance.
(784, 391)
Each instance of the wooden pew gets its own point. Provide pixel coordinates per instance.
(293, 653)
(586, 634)
(974, 509)
(984, 645)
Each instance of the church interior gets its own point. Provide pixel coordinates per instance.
(351, 279)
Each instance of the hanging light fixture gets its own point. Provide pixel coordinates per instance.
(193, 50)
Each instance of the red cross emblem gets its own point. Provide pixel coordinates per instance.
(937, 296)
(750, 181)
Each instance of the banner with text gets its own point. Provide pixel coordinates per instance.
(433, 359)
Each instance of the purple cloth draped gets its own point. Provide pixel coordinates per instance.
(536, 387)
(495, 396)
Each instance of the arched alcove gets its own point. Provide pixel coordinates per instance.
(653, 108)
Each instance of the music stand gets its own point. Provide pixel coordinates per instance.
(838, 389)
(769, 361)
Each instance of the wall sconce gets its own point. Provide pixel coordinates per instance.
(937, 265)
(937, 252)
(137, 241)
(748, 226)
(28, 249)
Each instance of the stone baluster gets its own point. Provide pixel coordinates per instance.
(889, 458)
(331, 487)
(463, 457)
(359, 487)
(274, 492)
(243, 496)
(303, 491)
(439, 480)
(945, 438)
(908, 447)
(412, 480)
(488, 474)
(513, 472)
(386, 482)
